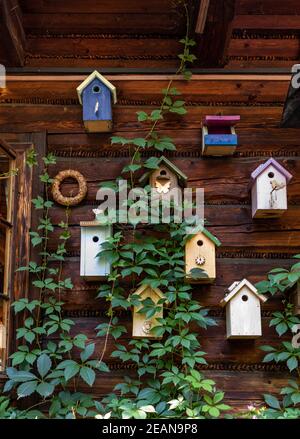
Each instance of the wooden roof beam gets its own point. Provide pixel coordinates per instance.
(13, 34)
(216, 31)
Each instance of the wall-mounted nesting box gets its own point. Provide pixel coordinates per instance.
(96, 95)
(269, 190)
(295, 299)
(218, 135)
(165, 178)
(141, 326)
(243, 311)
(200, 252)
(93, 235)
(2, 337)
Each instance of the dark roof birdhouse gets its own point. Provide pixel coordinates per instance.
(218, 135)
(96, 95)
(165, 178)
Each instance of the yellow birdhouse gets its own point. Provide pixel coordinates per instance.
(200, 253)
(141, 326)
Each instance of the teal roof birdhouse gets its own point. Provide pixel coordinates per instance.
(96, 95)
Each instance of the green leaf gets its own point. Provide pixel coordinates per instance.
(88, 375)
(272, 401)
(44, 364)
(26, 389)
(88, 352)
(292, 363)
(142, 116)
(45, 389)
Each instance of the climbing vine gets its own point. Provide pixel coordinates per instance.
(281, 282)
(51, 363)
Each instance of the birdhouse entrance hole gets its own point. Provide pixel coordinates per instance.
(271, 175)
(95, 238)
(200, 243)
(96, 89)
(244, 298)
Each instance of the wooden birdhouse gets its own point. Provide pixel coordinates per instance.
(2, 337)
(218, 135)
(93, 235)
(96, 95)
(269, 190)
(165, 178)
(243, 310)
(200, 252)
(295, 299)
(141, 326)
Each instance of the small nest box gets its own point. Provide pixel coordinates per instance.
(96, 95)
(165, 179)
(218, 135)
(243, 311)
(200, 253)
(93, 235)
(141, 326)
(269, 190)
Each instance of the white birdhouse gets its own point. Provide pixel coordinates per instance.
(2, 336)
(200, 252)
(243, 311)
(141, 326)
(269, 190)
(93, 235)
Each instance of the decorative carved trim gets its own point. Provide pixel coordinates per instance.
(261, 58)
(249, 34)
(128, 102)
(100, 36)
(103, 57)
(85, 153)
(241, 367)
(214, 311)
(234, 253)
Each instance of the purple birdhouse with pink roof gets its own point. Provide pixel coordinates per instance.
(219, 136)
(269, 190)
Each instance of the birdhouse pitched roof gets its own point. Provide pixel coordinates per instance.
(236, 287)
(221, 121)
(102, 79)
(164, 161)
(210, 236)
(142, 288)
(261, 168)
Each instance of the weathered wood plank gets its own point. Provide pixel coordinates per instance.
(239, 89)
(274, 47)
(83, 296)
(220, 185)
(267, 7)
(284, 22)
(164, 23)
(96, 6)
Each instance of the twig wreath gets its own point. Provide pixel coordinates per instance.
(69, 201)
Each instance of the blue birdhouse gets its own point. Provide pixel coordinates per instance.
(219, 136)
(96, 95)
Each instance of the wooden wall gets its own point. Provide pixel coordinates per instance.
(250, 248)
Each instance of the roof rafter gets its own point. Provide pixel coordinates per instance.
(13, 33)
